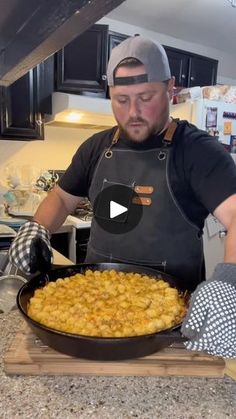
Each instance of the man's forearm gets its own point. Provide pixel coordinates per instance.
(52, 212)
(230, 243)
(226, 214)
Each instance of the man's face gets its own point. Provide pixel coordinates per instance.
(140, 109)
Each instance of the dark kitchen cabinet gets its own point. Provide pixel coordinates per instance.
(81, 65)
(191, 69)
(20, 115)
(23, 104)
(178, 66)
(203, 71)
(115, 39)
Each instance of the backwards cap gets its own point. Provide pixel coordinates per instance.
(152, 56)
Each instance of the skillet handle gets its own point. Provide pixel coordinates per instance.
(176, 334)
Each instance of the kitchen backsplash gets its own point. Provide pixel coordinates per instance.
(54, 152)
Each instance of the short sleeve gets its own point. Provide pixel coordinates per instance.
(75, 179)
(210, 168)
(78, 176)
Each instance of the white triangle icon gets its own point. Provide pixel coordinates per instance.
(116, 209)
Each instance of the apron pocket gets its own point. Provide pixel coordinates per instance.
(116, 192)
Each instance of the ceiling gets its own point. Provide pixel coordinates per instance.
(211, 23)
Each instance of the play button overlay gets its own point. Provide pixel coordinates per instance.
(117, 209)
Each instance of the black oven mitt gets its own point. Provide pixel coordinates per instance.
(210, 323)
(31, 249)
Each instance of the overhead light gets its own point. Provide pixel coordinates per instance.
(80, 111)
(233, 3)
(73, 117)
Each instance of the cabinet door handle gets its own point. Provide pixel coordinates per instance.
(104, 77)
(222, 233)
(192, 78)
(183, 76)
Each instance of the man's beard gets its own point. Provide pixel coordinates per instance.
(150, 130)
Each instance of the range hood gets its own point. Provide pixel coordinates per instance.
(70, 110)
(33, 30)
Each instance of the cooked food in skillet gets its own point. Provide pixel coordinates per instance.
(108, 304)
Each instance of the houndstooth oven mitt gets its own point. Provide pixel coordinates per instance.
(210, 323)
(31, 249)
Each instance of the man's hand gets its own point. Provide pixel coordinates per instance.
(210, 323)
(31, 249)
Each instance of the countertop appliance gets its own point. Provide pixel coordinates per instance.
(81, 221)
(82, 218)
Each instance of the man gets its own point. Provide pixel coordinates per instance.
(185, 173)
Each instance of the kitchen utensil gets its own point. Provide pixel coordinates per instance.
(47, 180)
(23, 202)
(10, 283)
(96, 347)
(9, 287)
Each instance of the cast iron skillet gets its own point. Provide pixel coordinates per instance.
(98, 348)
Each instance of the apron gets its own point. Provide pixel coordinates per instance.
(164, 238)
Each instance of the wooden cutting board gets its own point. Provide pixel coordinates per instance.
(27, 355)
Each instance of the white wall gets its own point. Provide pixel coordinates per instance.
(55, 152)
(227, 62)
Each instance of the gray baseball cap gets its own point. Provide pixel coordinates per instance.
(152, 56)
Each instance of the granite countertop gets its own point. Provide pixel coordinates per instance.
(68, 397)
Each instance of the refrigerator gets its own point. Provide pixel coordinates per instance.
(218, 119)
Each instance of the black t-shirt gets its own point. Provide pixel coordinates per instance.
(202, 173)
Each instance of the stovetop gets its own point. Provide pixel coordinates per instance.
(83, 214)
(78, 222)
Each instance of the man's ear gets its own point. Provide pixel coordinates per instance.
(170, 87)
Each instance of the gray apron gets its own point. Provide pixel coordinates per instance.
(164, 238)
